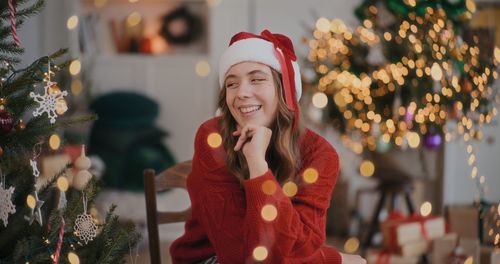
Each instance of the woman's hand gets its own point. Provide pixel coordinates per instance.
(253, 141)
(352, 259)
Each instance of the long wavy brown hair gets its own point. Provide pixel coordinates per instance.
(283, 154)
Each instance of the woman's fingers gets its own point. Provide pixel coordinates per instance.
(245, 133)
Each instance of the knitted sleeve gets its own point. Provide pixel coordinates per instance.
(289, 225)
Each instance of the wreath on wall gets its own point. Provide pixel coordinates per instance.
(181, 26)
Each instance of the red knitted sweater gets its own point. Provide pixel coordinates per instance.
(226, 214)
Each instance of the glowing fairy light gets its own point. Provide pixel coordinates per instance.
(320, 100)
(72, 22)
(214, 140)
(426, 209)
(323, 25)
(269, 187)
(290, 189)
(310, 175)
(202, 68)
(351, 245)
(260, 253)
(367, 168)
(31, 201)
(269, 212)
(54, 141)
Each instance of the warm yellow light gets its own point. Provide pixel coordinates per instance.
(498, 210)
(269, 212)
(134, 19)
(471, 6)
(351, 245)
(320, 100)
(469, 260)
(133, 1)
(426, 209)
(367, 168)
(290, 189)
(436, 72)
(75, 67)
(413, 139)
(76, 86)
(62, 183)
(73, 258)
(72, 22)
(213, 3)
(269, 187)
(203, 68)
(54, 141)
(30, 201)
(61, 106)
(339, 100)
(214, 140)
(497, 54)
(323, 25)
(310, 175)
(260, 253)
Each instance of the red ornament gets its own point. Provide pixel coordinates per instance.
(6, 122)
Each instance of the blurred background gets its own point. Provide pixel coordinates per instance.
(405, 90)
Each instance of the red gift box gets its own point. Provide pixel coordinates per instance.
(399, 230)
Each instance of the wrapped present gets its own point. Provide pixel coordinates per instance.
(490, 255)
(374, 256)
(490, 219)
(399, 230)
(451, 249)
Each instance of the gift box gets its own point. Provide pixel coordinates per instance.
(400, 230)
(444, 248)
(375, 256)
(490, 255)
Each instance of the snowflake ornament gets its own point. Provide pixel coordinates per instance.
(48, 102)
(6, 206)
(86, 229)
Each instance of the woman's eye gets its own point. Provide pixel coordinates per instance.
(230, 85)
(258, 80)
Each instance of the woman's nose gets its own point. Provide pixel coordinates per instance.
(245, 90)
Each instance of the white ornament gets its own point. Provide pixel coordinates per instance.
(34, 168)
(48, 102)
(6, 205)
(82, 162)
(85, 227)
(81, 179)
(83, 176)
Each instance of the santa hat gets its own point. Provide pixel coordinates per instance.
(274, 50)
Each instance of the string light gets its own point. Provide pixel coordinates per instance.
(462, 95)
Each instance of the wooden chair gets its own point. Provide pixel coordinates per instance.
(173, 177)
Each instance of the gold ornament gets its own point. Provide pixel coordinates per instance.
(21, 125)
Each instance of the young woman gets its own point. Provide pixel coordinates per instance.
(261, 183)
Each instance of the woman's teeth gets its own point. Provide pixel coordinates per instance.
(246, 110)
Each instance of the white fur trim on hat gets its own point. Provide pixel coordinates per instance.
(256, 50)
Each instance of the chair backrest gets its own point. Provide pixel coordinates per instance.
(173, 177)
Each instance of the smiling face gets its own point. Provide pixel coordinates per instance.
(251, 94)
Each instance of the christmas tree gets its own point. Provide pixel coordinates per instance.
(49, 223)
(406, 71)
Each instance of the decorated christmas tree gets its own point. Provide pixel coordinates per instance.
(45, 222)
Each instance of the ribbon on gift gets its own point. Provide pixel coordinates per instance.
(383, 257)
(397, 219)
